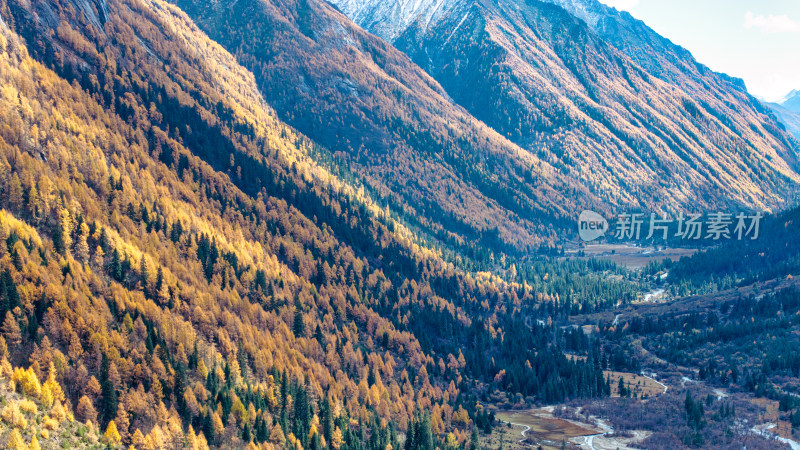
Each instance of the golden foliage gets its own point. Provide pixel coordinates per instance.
(147, 274)
(111, 436)
(27, 382)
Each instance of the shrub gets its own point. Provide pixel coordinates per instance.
(13, 416)
(49, 423)
(27, 382)
(28, 407)
(111, 435)
(58, 412)
(15, 441)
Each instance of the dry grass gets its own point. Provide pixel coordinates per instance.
(772, 414)
(771, 409)
(509, 436)
(634, 257)
(637, 384)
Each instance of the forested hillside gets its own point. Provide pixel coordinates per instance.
(774, 256)
(457, 182)
(176, 259)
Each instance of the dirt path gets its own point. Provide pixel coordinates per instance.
(766, 430)
(527, 428)
(657, 382)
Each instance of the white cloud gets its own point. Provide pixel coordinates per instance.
(622, 5)
(771, 23)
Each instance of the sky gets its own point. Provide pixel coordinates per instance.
(756, 40)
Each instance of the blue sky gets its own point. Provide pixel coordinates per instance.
(757, 40)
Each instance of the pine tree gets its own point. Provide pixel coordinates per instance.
(34, 204)
(115, 266)
(85, 411)
(246, 437)
(326, 418)
(623, 391)
(473, 440)
(210, 427)
(276, 436)
(337, 439)
(302, 415)
(11, 330)
(122, 422)
(694, 412)
(261, 430)
(109, 394)
(298, 327)
(9, 295)
(143, 272)
(180, 389)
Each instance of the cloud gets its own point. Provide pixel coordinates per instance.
(622, 5)
(771, 23)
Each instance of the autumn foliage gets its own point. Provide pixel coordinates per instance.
(181, 272)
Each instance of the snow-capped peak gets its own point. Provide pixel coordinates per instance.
(588, 11)
(793, 94)
(390, 18)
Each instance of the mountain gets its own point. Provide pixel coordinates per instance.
(787, 110)
(253, 224)
(546, 150)
(446, 174)
(598, 95)
(184, 264)
(791, 101)
(789, 118)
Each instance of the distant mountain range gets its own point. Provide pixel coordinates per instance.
(788, 111)
(791, 101)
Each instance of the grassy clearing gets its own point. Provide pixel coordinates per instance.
(508, 435)
(545, 430)
(640, 386)
(634, 257)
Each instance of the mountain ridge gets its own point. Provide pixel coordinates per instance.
(544, 79)
(394, 125)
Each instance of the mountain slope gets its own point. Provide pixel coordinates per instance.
(445, 172)
(151, 265)
(601, 97)
(192, 274)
